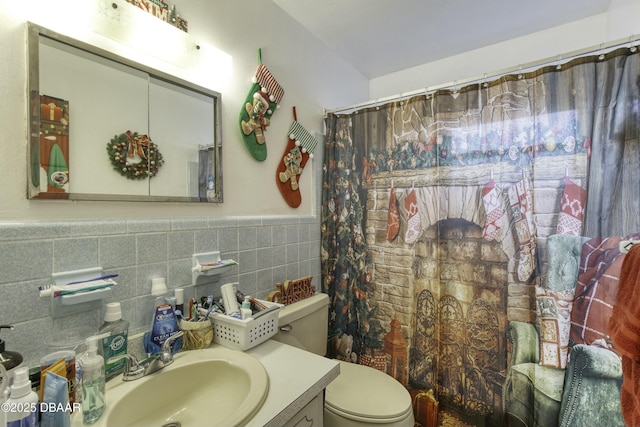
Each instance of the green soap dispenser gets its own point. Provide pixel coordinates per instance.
(9, 359)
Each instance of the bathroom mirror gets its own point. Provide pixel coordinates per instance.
(103, 127)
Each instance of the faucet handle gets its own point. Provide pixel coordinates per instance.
(166, 345)
(132, 368)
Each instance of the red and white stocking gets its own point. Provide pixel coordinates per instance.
(299, 149)
(413, 217)
(571, 209)
(493, 201)
(393, 217)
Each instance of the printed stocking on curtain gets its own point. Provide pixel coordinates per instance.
(522, 211)
(492, 198)
(299, 149)
(263, 98)
(413, 217)
(571, 209)
(393, 218)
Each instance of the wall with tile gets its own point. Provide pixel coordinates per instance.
(268, 250)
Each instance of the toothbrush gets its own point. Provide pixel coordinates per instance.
(265, 311)
(258, 304)
(56, 291)
(201, 268)
(108, 276)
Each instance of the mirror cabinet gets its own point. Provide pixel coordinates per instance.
(103, 127)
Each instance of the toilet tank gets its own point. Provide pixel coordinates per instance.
(304, 324)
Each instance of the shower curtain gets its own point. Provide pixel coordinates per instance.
(478, 179)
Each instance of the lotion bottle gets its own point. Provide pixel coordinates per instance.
(93, 387)
(245, 308)
(22, 397)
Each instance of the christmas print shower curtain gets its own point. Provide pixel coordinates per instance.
(438, 217)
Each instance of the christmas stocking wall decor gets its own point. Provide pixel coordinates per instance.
(299, 149)
(255, 116)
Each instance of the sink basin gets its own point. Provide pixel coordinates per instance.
(214, 387)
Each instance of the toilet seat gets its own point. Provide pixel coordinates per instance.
(365, 394)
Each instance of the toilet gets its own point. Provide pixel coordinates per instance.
(361, 395)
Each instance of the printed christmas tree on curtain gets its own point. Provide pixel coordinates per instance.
(345, 270)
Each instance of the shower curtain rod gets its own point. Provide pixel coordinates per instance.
(632, 42)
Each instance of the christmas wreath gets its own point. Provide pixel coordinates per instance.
(125, 146)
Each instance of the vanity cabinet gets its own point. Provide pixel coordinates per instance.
(309, 416)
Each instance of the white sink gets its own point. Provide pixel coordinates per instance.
(213, 387)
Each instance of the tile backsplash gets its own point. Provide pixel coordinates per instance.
(268, 250)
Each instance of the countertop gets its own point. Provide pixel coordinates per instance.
(295, 377)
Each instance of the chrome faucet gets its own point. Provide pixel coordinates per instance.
(134, 369)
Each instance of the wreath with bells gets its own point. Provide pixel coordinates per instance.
(127, 145)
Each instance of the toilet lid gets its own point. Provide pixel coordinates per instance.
(366, 394)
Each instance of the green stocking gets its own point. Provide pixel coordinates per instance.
(255, 116)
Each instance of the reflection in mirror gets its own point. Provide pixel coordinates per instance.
(106, 128)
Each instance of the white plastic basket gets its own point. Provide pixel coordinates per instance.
(245, 334)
